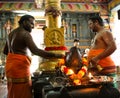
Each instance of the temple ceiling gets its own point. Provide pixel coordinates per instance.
(80, 1)
(66, 5)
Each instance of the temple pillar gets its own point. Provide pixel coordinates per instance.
(53, 34)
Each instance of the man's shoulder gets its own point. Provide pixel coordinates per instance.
(106, 32)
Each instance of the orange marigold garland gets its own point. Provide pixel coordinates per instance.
(54, 11)
(56, 48)
(76, 77)
(84, 61)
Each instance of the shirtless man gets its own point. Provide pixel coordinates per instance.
(102, 47)
(17, 66)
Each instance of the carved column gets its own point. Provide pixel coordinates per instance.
(53, 34)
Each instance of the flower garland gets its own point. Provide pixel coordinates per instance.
(85, 64)
(76, 77)
(84, 61)
(55, 12)
(56, 48)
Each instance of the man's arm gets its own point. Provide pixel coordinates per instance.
(35, 50)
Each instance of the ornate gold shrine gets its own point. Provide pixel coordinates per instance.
(53, 34)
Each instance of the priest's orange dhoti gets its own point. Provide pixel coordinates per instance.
(17, 71)
(107, 63)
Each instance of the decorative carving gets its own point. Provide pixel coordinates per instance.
(54, 37)
(53, 34)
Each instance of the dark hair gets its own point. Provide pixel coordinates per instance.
(98, 18)
(25, 17)
(76, 40)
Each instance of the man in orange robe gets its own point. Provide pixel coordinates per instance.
(17, 66)
(102, 46)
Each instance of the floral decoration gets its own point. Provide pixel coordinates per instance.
(84, 61)
(80, 74)
(56, 48)
(55, 12)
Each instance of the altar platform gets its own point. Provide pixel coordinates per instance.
(43, 88)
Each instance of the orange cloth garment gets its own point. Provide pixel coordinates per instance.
(17, 66)
(17, 70)
(106, 62)
(19, 90)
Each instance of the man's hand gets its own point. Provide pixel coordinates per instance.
(94, 61)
